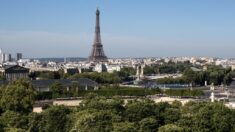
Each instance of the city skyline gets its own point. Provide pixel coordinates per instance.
(129, 29)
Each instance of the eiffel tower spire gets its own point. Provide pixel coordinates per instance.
(97, 53)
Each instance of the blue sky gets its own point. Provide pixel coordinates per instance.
(130, 28)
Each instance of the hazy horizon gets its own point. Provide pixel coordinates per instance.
(59, 28)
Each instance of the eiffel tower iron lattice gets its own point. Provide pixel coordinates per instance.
(97, 53)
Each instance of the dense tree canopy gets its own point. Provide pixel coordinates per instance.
(53, 119)
(110, 114)
(57, 90)
(98, 114)
(125, 73)
(18, 96)
(167, 68)
(47, 75)
(214, 74)
(104, 77)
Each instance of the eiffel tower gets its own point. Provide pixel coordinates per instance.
(97, 53)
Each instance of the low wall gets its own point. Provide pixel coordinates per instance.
(76, 102)
(67, 102)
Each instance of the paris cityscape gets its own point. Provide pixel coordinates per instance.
(120, 83)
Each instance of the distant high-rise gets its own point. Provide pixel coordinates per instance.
(19, 56)
(1, 59)
(97, 53)
(9, 57)
(6, 57)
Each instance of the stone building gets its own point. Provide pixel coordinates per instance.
(14, 72)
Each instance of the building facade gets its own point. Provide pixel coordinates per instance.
(14, 72)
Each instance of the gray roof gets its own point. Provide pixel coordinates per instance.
(14, 69)
(232, 83)
(64, 82)
(3, 82)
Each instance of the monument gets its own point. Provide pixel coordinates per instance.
(97, 53)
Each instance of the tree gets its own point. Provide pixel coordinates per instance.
(124, 127)
(137, 110)
(92, 101)
(148, 70)
(11, 119)
(93, 121)
(149, 124)
(167, 68)
(1, 90)
(53, 119)
(104, 77)
(74, 88)
(171, 115)
(177, 104)
(97, 114)
(125, 73)
(186, 123)
(228, 79)
(189, 75)
(214, 117)
(57, 90)
(1, 127)
(18, 96)
(47, 75)
(214, 77)
(201, 77)
(36, 122)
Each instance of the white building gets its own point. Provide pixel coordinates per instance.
(6, 57)
(100, 68)
(112, 68)
(233, 67)
(1, 56)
